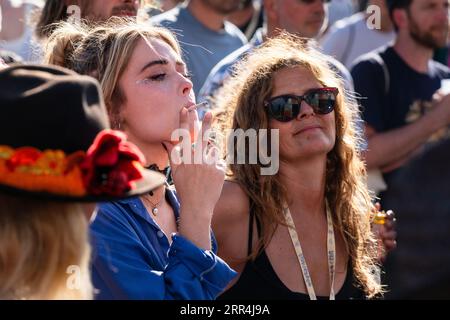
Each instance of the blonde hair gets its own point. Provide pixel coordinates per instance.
(103, 51)
(55, 11)
(240, 104)
(40, 241)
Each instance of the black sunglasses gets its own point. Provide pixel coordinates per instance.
(287, 107)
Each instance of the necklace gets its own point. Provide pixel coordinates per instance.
(166, 172)
(155, 206)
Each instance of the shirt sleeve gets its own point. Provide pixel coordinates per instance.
(369, 84)
(334, 43)
(122, 265)
(215, 80)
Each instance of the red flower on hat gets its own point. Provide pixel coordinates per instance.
(25, 156)
(111, 165)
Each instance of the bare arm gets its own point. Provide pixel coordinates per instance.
(230, 226)
(391, 148)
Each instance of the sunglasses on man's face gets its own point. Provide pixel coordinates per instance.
(287, 107)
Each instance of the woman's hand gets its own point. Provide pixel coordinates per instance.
(198, 176)
(388, 234)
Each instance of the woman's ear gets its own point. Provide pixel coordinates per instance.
(116, 121)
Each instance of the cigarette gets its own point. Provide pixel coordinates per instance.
(204, 104)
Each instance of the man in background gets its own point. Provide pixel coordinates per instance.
(204, 34)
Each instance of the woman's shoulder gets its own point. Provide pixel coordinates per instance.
(120, 207)
(233, 203)
(120, 213)
(230, 223)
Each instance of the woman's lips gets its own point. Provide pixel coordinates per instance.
(308, 128)
(188, 105)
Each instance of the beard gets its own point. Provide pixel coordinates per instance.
(426, 38)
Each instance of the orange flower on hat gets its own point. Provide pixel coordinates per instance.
(110, 167)
(26, 156)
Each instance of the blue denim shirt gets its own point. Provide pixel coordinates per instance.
(132, 259)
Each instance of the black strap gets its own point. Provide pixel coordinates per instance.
(166, 172)
(250, 227)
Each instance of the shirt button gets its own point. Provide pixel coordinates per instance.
(160, 234)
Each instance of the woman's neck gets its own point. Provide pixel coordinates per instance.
(155, 153)
(305, 185)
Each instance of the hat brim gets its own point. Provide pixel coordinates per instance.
(150, 180)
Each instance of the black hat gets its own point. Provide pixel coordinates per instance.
(55, 139)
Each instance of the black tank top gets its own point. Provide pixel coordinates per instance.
(259, 281)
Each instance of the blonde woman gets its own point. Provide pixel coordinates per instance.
(48, 167)
(45, 250)
(315, 209)
(157, 246)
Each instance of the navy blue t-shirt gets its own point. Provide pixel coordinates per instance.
(409, 93)
(417, 192)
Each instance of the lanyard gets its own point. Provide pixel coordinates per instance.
(331, 250)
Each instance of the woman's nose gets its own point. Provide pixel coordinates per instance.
(305, 110)
(186, 86)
